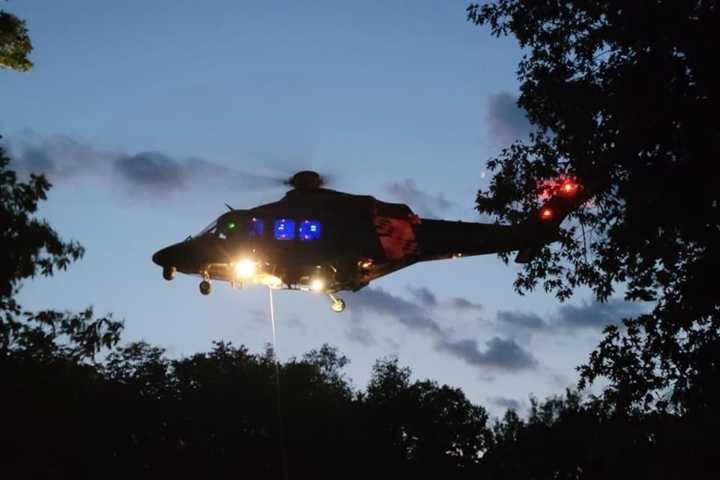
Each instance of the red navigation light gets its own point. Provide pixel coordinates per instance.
(546, 213)
(569, 188)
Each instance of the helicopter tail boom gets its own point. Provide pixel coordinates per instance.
(439, 239)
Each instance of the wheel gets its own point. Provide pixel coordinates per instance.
(205, 287)
(169, 273)
(338, 305)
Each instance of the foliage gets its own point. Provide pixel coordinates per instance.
(623, 96)
(31, 247)
(571, 438)
(139, 413)
(15, 44)
(28, 246)
(435, 427)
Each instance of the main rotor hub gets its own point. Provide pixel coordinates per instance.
(306, 180)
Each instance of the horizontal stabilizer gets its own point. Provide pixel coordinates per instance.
(544, 224)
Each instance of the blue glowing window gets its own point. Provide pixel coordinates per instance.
(309, 230)
(284, 229)
(257, 227)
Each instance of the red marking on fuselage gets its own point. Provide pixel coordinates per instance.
(396, 237)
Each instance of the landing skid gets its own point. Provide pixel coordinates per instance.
(338, 304)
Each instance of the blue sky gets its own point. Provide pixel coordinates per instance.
(402, 100)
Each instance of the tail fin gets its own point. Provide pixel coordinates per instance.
(544, 224)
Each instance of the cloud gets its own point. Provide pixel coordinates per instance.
(500, 353)
(424, 203)
(423, 295)
(62, 158)
(571, 318)
(507, 403)
(529, 321)
(427, 299)
(463, 304)
(151, 170)
(508, 122)
(597, 315)
(58, 157)
(361, 335)
(407, 313)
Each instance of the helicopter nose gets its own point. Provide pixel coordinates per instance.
(163, 257)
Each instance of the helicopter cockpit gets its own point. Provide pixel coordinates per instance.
(240, 224)
(235, 224)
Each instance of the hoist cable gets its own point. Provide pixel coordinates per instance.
(281, 423)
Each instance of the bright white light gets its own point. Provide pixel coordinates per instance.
(245, 268)
(272, 281)
(317, 284)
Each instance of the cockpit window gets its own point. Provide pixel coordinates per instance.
(235, 225)
(309, 230)
(284, 229)
(256, 228)
(209, 230)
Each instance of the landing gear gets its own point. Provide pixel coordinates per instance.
(205, 287)
(338, 304)
(169, 273)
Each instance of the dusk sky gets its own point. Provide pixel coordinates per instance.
(401, 100)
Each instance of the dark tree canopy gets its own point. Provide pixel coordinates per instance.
(15, 44)
(624, 97)
(139, 414)
(30, 247)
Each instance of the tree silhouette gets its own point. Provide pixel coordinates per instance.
(144, 415)
(623, 97)
(30, 247)
(15, 44)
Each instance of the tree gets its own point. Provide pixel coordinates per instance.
(624, 98)
(428, 430)
(31, 247)
(570, 438)
(15, 44)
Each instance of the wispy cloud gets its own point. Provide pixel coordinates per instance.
(463, 304)
(409, 314)
(524, 320)
(571, 318)
(361, 335)
(508, 122)
(507, 403)
(499, 353)
(424, 203)
(597, 315)
(62, 158)
(417, 314)
(423, 295)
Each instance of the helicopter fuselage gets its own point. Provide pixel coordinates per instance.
(325, 240)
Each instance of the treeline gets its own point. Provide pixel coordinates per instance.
(139, 414)
(216, 414)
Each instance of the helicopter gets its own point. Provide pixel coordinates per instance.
(323, 240)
